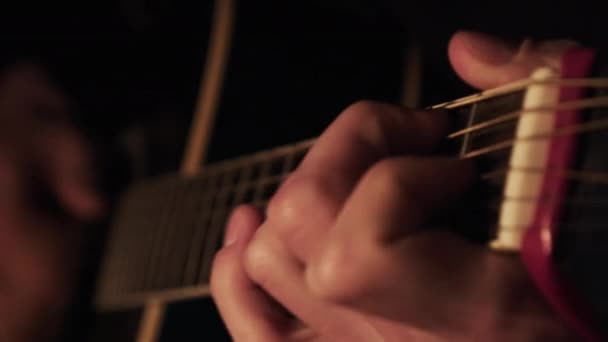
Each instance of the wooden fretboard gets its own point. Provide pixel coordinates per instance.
(168, 229)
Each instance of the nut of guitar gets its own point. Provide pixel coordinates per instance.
(529, 155)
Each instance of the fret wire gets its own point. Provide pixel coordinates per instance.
(267, 180)
(135, 268)
(126, 223)
(132, 225)
(134, 265)
(241, 186)
(172, 227)
(184, 224)
(216, 228)
(292, 163)
(260, 156)
(210, 235)
(207, 227)
(214, 234)
(196, 195)
(288, 149)
(259, 186)
(200, 230)
(119, 237)
(276, 165)
(158, 235)
(466, 142)
(142, 237)
(218, 225)
(289, 164)
(175, 226)
(117, 247)
(164, 234)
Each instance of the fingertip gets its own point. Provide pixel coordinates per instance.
(479, 59)
(248, 313)
(485, 61)
(242, 224)
(458, 55)
(455, 48)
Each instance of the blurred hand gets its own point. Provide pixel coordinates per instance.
(46, 194)
(346, 253)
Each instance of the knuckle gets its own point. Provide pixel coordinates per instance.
(260, 262)
(395, 126)
(300, 197)
(376, 122)
(366, 114)
(384, 176)
(341, 274)
(364, 107)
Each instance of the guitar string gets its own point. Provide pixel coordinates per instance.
(575, 175)
(582, 176)
(581, 128)
(585, 175)
(585, 103)
(569, 105)
(495, 173)
(477, 98)
(588, 127)
(568, 228)
(589, 176)
(513, 87)
(593, 102)
(544, 198)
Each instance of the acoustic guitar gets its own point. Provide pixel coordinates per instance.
(539, 143)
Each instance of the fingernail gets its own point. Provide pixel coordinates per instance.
(490, 49)
(229, 238)
(229, 242)
(231, 233)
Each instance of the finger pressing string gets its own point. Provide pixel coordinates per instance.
(248, 312)
(390, 203)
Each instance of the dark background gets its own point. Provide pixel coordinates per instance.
(132, 68)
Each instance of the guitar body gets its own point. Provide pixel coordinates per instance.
(538, 245)
(569, 269)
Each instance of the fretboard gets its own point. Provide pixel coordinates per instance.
(168, 229)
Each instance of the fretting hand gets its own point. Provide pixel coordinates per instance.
(344, 253)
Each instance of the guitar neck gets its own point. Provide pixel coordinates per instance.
(168, 229)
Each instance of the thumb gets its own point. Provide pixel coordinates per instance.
(485, 61)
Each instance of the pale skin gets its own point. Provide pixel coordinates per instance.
(345, 253)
